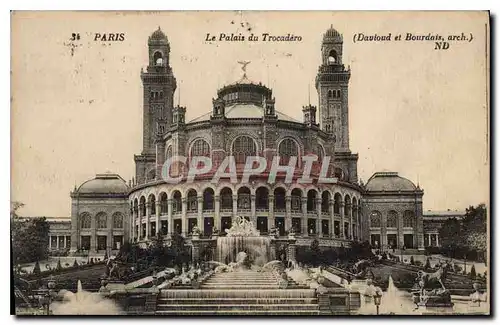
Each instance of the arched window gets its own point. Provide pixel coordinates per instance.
(85, 221)
(226, 198)
(243, 147)
(117, 220)
(320, 152)
(101, 220)
(296, 199)
(375, 219)
(408, 219)
(244, 198)
(158, 58)
(392, 219)
(288, 148)
(347, 205)
(279, 199)
(336, 203)
(330, 94)
(163, 203)
(200, 147)
(152, 204)
(262, 198)
(311, 201)
(332, 57)
(142, 206)
(169, 152)
(325, 201)
(208, 199)
(176, 202)
(192, 201)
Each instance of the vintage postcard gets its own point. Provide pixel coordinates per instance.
(250, 163)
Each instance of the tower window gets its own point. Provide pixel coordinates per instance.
(332, 57)
(158, 58)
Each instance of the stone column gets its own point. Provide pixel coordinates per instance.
(288, 207)
(109, 239)
(93, 236)
(342, 231)
(148, 214)
(419, 227)
(400, 231)
(332, 218)
(201, 224)
(57, 242)
(184, 217)
(235, 205)
(158, 225)
(270, 219)
(50, 242)
(351, 230)
(304, 216)
(217, 213)
(170, 222)
(437, 240)
(252, 209)
(318, 216)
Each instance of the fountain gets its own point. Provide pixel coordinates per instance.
(83, 303)
(243, 237)
(395, 301)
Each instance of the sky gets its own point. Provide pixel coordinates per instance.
(76, 107)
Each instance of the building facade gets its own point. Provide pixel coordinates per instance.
(244, 121)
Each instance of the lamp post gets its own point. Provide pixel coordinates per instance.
(46, 299)
(377, 299)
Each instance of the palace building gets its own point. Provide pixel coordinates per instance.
(245, 121)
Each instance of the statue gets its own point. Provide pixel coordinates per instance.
(429, 289)
(273, 232)
(241, 227)
(196, 231)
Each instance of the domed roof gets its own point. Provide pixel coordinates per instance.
(242, 110)
(158, 35)
(389, 181)
(104, 184)
(332, 34)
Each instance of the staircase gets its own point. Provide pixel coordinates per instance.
(239, 293)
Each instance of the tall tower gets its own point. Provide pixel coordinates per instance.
(332, 85)
(159, 86)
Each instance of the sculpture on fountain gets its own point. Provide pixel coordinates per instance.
(242, 227)
(429, 289)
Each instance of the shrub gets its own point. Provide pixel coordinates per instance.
(75, 263)
(58, 267)
(412, 261)
(36, 269)
(418, 263)
(427, 265)
(472, 273)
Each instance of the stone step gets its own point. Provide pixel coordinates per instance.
(238, 312)
(216, 281)
(235, 301)
(238, 307)
(239, 286)
(231, 293)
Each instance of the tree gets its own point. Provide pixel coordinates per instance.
(412, 261)
(36, 269)
(315, 252)
(30, 237)
(59, 266)
(75, 263)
